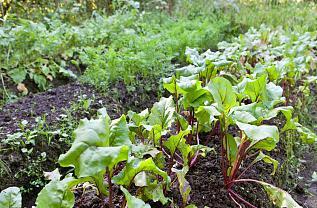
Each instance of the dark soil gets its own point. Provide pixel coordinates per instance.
(208, 187)
(52, 103)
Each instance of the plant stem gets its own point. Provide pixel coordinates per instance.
(110, 189)
(233, 199)
(243, 181)
(4, 88)
(223, 139)
(243, 172)
(241, 199)
(177, 108)
(194, 160)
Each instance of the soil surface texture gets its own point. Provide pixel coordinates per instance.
(52, 104)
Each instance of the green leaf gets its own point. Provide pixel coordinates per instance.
(136, 166)
(18, 75)
(141, 150)
(193, 56)
(256, 89)
(132, 201)
(188, 84)
(275, 95)
(182, 121)
(223, 94)
(57, 194)
(155, 193)
(174, 140)
(96, 159)
(119, 132)
(178, 142)
(138, 118)
(92, 161)
(306, 135)
(206, 114)
(266, 159)
(188, 71)
(170, 84)
(279, 197)
(93, 132)
(232, 150)
(257, 112)
(184, 185)
(154, 133)
(193, 93)
(191, 206)
(140, 179)
(162, 113)
(262, 137)
(11, 198)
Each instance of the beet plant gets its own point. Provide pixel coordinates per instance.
(214, 104)
(102, 149)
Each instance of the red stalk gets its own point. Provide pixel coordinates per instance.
(241, 199)
(194, 160)
(232, 198)
(110, 189)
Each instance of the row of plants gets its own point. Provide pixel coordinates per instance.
(287, 59)
(103, 48)
(232, 96)
(111, 48)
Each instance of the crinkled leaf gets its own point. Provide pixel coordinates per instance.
(162, 113)
(138, 118)
(193, 56)
(11, 198)
(93, 132)
(119, 132)
(188, 70)
(275, 95)
(184, 185)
